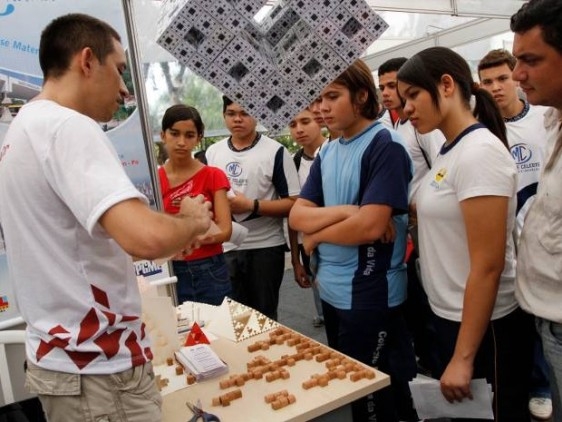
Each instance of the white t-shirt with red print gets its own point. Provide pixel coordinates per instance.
(74, 285)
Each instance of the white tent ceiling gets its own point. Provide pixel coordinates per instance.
(414, 25)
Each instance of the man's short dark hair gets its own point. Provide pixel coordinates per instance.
(392, 65)
(547, 14)
(496, 58)
(225, 103)
(67, 35)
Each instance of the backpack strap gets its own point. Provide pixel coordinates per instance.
(298, 157)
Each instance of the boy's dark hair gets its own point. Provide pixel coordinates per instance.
(425, 70)
(496, 58)
(69, 34)
(547, 14)
(201, 156)
(357, 78)
(179, 112)
(225, 103)
(392, 65)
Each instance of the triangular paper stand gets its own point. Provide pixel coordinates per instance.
(196, 336)
(237, 322)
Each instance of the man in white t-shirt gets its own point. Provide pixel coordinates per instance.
(524, 122)
(264, 184)
(71, 220)
(526, 136)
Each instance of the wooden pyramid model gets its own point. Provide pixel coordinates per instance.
(237, 322)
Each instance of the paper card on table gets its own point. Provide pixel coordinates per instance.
(430, 402)
(201, 361)
(238, 322)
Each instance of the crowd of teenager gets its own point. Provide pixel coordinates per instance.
(464, 170)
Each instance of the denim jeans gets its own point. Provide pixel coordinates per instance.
(551, 336)
(256, 276)
(202, 280)
(540, 386)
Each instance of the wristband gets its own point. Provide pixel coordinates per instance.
(256, 209)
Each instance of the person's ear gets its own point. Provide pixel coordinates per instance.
(447, 85)
(86, 59)
(362, 96)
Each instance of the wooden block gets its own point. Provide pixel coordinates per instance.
(191, 379)
(369, 374)
(309, 384)
(276, 405)
(216, 401)
(356, 376)
(179, 370)
(291, 398)
(169, 361)
(224, 400)
(254, 347)
(271, 376)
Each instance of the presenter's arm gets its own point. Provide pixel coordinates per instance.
(149, 234)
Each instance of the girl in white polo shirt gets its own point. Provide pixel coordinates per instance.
(466, 213)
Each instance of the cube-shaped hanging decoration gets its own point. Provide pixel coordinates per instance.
(273, 68)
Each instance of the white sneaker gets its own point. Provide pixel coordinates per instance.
(540, 408)
(318, 321)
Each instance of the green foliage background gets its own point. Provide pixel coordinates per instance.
(180, 85)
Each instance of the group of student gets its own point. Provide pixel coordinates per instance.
(443, 171)
(446, 164)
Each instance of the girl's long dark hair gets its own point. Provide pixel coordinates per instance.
(425, 70)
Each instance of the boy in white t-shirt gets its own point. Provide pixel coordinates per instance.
(307, 132)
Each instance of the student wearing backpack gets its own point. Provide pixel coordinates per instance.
(307, 132)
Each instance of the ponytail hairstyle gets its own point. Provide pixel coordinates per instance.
(425, 70)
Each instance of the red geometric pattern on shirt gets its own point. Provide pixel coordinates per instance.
(89, 326)
(111, 317)
(143, 330)
(100, 296)
(148, 353)
(137, 357)
(109, 343)
(60, 342)
(82, 359)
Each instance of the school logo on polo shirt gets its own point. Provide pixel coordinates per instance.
(439, 177)
(233, 169)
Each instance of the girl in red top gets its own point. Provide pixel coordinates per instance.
(203, 274)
